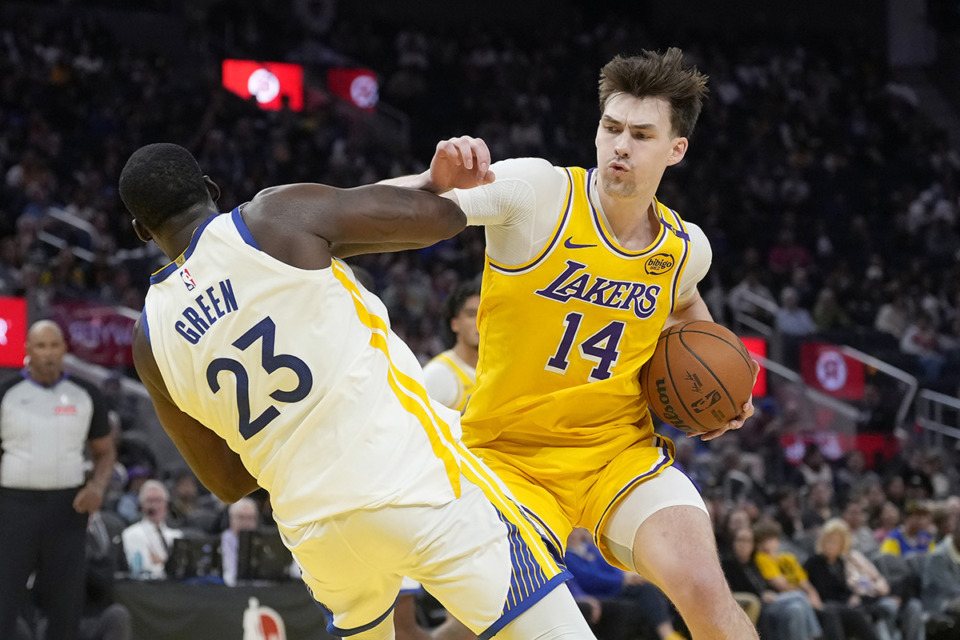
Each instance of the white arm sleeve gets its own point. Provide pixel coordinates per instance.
(441, 383)
(519, 209)
(701, 255)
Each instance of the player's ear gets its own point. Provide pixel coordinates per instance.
(142, 232)
(678, 151)
(212, 187)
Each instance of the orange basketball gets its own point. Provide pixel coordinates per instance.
(699, 377)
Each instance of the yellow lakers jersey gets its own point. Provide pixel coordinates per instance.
(563, 337)
(463, 373)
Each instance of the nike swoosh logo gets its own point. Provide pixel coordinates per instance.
(573, 245)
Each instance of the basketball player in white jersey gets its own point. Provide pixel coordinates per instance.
(269, 365)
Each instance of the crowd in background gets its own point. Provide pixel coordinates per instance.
(822, 186)
(820, 183)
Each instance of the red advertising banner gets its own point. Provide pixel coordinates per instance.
(268, 82)
(758, 347)
(13, 332)
(95, 333)
(357, 86)
(825, 368)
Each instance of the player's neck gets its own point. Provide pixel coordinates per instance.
(469, 355)
(634, 221)
(177, 234)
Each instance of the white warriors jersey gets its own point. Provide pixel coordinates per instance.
(299, 372)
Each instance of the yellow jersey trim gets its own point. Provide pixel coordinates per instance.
(410, 393)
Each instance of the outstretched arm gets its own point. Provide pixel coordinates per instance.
(458, 163)
(302, 223)
(217, 466)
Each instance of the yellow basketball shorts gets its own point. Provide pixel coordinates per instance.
(562, 487)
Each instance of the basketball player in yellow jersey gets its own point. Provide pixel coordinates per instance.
(584, 269)
(450, 377)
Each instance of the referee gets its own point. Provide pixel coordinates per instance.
(46, 418)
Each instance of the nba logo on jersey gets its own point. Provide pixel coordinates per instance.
(262, 623)
(187, 280)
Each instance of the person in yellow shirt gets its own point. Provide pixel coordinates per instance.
(584, 269)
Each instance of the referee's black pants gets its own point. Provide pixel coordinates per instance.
(40, 531)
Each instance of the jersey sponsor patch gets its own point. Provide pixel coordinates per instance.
(658, 264)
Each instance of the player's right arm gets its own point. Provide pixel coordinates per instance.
(217, 466)
(305, 224)
(458, 163)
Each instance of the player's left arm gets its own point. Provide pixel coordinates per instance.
(689, 305)
(217, 466)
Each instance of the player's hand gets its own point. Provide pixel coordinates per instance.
(88, 500)
(737, 422)
(460, 163)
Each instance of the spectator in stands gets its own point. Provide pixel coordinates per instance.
(887, 520)
(827, 313)
(736, 519)
(921, 340)
(605, 584)
(188, 508)
(781, 569)
(933, 467)
(844, 611)
(944, 517)
(851, 474)
(819, 506)
(894, 488)
(128, 506)
(786, 513)
(47, 418)
(814, 466)
(913, 536)
(917, 486)
(244, 516)
(893, 317)
(941, 580)
(787, 253)
(791, 319)
(787, 614)
(861, 536)
(147, 543)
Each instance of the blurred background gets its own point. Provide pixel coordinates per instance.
(825, 169)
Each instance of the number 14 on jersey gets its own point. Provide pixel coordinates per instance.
(602, 347)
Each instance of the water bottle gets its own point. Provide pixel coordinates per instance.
(136, 565)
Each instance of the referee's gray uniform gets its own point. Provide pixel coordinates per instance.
(43, 432)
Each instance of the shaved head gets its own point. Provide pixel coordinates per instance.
(44, 328)
(45, 350)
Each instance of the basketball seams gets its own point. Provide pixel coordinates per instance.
(707, 368)
(676, 390)
(740, 348)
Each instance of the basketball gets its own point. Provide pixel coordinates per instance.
(699, 376)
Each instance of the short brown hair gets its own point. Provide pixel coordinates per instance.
(658, 75)
(765, 529)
